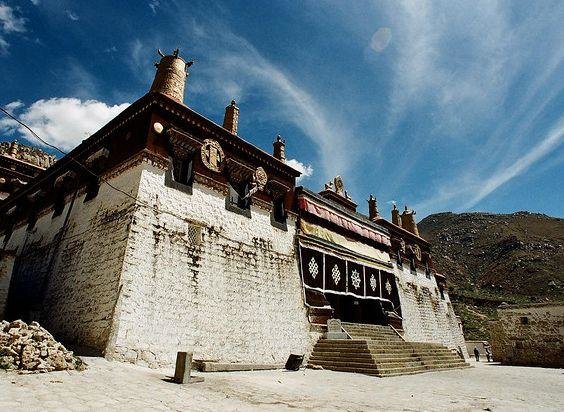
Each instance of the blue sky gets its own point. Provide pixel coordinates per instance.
(440, 105)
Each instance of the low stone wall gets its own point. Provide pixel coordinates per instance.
(530, 335)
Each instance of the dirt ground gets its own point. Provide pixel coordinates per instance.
(116, 386)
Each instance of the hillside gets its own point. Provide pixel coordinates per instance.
(490, 258)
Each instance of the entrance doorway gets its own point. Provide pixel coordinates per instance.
(355, 310)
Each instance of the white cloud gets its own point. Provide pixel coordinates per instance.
(72, 15)
(9, 21)
(62, 121)
(10, 107)
(35, 2)
(381, 39)
(305, 170)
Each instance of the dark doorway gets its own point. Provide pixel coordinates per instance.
(355, 310)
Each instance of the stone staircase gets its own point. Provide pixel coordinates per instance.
(380, 351)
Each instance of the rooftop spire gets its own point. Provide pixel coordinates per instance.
(170, 78)
(231, 119)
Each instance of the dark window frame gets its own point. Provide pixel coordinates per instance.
(279, 214)
(58, 205)
(180, 174)
(92, 189)
(235, 200)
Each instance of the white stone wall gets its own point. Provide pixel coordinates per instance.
(233, 297)
(427, 317)
(67, 277)
(6, 265)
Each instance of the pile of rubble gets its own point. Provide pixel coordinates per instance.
(30, 348)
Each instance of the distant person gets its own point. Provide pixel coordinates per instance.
(477, 354)
(489, 353)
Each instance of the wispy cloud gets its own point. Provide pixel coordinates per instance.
(10, 22)
(72, 15)
(520, 165)
(154, 5)
(61, 121)
(236, 66)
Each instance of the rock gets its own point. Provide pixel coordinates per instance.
(31, 349)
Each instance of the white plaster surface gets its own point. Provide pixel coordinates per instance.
(233, 297)
(117, 386)
(67, 278)
(6, 265)
(427, 317)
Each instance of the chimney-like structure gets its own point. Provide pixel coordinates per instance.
(373, 213)
(171, 75)
(279, 148)
(396, 220)
(13, 150)
(408, 221)
(231, 119)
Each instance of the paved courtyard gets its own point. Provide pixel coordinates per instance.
(116, 386)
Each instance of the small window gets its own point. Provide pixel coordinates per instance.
(92, 189)
(524, 320)
(182, 171)
(180, 175)
(413, 266)
(278, 216)
(31, 221)
(59, 205)
(442, 292)
(238, 200)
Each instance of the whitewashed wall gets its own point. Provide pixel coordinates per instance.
(234, 297)
(426, 317)
(71, 286)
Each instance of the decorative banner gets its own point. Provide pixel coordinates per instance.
(312, 267)
(390, 290)
(331, 274)
(355, 277)
(372, 282)
(335, 274)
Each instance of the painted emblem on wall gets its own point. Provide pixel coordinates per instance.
(355, 279)
(373, 283)
(261, 177)
(388, 287)
(212, 155)
(313, 268)
(336, 274)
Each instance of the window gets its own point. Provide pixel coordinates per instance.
(180, 175)
(442, 292)
(238, 200)
(524, 320)
(182, 171)
(92, 188)
(59, 205)
(31, 221)
(278, 216)
(413, 266)
(398, 259)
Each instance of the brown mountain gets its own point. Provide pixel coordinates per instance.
(491, 258)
